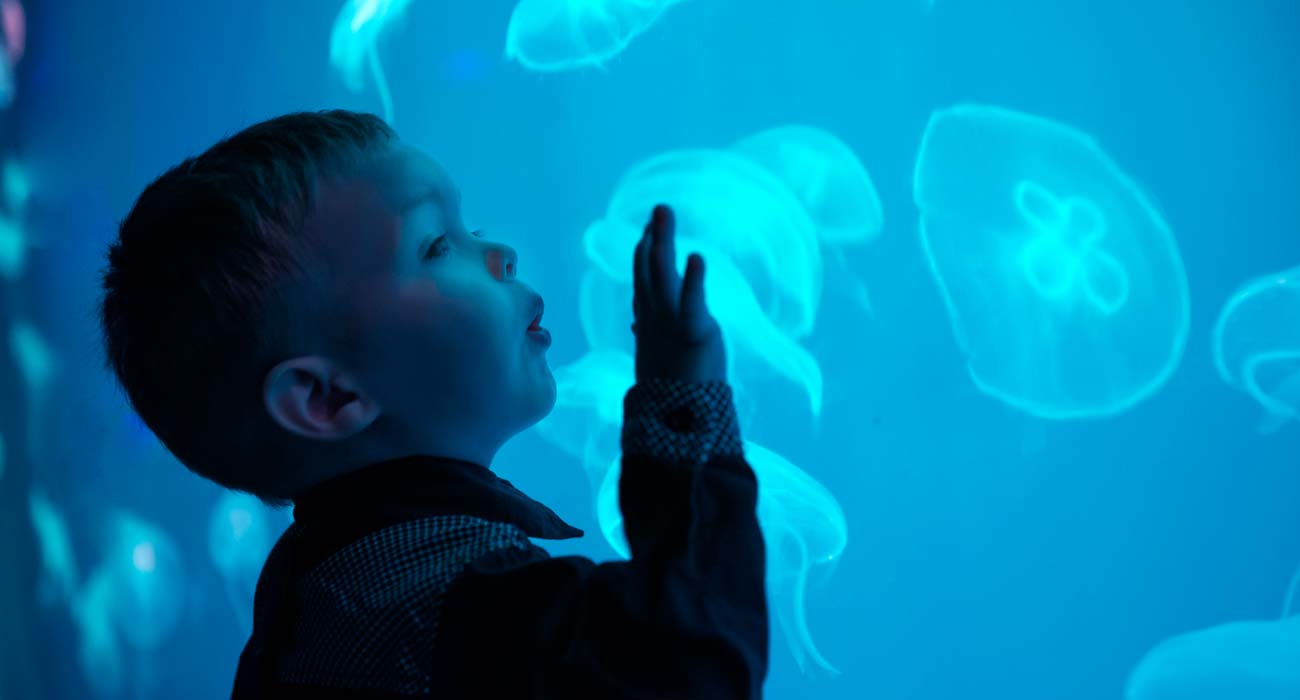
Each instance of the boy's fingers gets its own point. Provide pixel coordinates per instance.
(664, 281)
(693, 303)
(642, 303)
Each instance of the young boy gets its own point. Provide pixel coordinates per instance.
(300, 313)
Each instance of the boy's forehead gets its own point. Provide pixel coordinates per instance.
(408, 176)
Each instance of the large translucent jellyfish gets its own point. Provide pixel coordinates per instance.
(241, 532)
(803, 527)
(354, 44)
(833, 185)
(825, 174)
(1259, 660)
(558, 35)
(589, 407)
(1064, 286)
(765, 270)
(1257, 345)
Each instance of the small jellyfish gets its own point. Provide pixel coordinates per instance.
(37, 364)
(147, 580)
(98, 653)
(559, 35)
(1257, 345)
(1064, 285)
(765, 268)
(354, 44)
(58, 564)
(803, 527)
(241, 532)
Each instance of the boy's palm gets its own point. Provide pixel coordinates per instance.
(676, 336)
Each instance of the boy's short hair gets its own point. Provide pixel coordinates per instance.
(212, 282)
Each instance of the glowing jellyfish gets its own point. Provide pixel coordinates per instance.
(826, 176)
(37, 364)
(1257, 345)
(834, 187)
(98, 652)
(143, 566)
(58, 564)
(241, 532)
(354, 40)
(765, 269)
(1064, 286)
(558, 35)
(803, 528)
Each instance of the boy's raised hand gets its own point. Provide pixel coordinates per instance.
(676, 336)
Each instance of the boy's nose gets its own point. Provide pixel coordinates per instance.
(503, 261)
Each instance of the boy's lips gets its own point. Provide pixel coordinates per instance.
(539, 307)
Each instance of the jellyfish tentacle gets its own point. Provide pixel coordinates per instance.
(381, 82)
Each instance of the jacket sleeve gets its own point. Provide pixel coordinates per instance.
(685, 617)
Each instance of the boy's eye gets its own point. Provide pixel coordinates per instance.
(434, 248)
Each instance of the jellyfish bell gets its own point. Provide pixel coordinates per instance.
(1256, 345)
(825, 174)
(559, 35)
(1063, 284)
(1259, 660)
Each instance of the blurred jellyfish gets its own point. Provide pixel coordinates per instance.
(1255, 660)
(1257, 345)
(558, 35)
(98, 652)
(354, 40)
(803, 528)
(1064, 286)
(765, 270)
(834, 187)
(58, 582)
(146, 579)
(241, 532)
(37, 365)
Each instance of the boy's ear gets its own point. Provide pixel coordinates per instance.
(312, 397)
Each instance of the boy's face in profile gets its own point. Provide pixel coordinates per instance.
(435, 311)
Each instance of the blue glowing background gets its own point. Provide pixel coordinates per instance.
(986, 550)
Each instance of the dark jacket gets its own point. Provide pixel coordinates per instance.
(416, 578)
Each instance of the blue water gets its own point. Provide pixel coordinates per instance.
(989, 551)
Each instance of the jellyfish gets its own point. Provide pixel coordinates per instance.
(37, 364)
(1064, 286)
(241, 532)
(826, 176)
(143, 566)
(354, 40)
(559, 35)
(765, 268)
(1257, 345)
(1259, 660)
(59, 578)
(834, 187)
(98, 652)
(803, 528)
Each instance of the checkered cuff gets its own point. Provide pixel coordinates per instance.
(680, 421)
